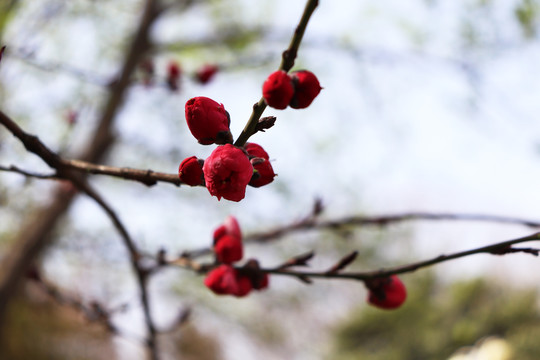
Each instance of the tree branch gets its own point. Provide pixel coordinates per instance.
(33, 235)
(287, 63)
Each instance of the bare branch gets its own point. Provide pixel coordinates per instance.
(15, 169)
(343, 263)
(287, 63)
(489, 249)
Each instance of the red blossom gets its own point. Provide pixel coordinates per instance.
(222, 280)
(226, 280)
(227, 171)
(278, 90)
(228, 241)
(228, 249)
(244, 285)
(206, 73)
(190, 171)
(229, 227)
(306, 89)
(264, 173)
(208, 121)
(387, 293)
(173, 75)
(256, 150)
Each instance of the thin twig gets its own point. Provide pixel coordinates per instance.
(134, 255)
(16, 169)
(489, 249)
(287, 63)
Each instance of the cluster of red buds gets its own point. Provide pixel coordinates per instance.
(174, 73)
(229, 169)
(228, 248)
(297, 89)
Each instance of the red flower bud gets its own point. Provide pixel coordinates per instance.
(244, 285)
(173, 75)
(256, 150)
(228, 241)
(387, 293)
(278, 90)
(208, 121)
(306, 88)
(229, 227)
(190, 171)
(228, 249)
(225, 280)
(227, 171)
(222, 280)
(206, 73)
(264, 173)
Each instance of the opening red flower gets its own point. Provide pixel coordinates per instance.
(208, 121)
(190, 171)
(227, 172)
(387, 293)
(278, 90)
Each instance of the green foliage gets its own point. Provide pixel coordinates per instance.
(434, 323)
(526, 13)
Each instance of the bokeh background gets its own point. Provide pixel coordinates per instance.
(427, 106)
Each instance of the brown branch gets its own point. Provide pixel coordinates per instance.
(489, 249)
(33, 144)
(92, 312)
(134, 255)
(500, 248)
(287, 63)
(147, 177)
(34, 234)
(311, 223)
(15, 169)
(384, 220)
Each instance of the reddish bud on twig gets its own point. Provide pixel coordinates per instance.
(265, 123)
(306, 89)
(386, 293)
(226, 280)
(278, 90)
(208, 121)
(263, 172)
(173, 75)
(190, 171)
(206, 73)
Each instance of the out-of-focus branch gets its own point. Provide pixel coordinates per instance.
(311, 222)
(287, 63)
(336, 271)
(33, 235)
(500, 248)
(134, 255)
(93, 311)
(16, 169)
(147, 177)
(33, 144)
